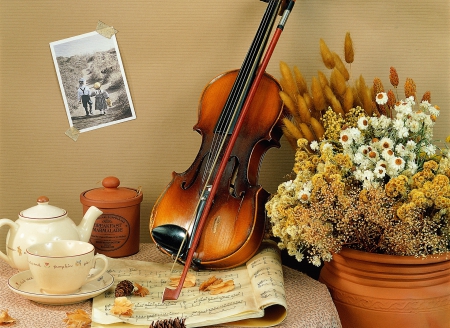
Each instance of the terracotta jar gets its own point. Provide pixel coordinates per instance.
(116, 232)
(376, 290)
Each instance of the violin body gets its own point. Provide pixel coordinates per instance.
(235, 224)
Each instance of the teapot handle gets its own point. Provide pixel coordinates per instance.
(12, 225)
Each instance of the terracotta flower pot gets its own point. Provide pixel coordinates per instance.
(375, 290)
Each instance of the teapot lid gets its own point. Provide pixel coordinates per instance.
(111, 195)
(43, 210)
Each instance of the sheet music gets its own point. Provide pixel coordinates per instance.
(257, 285)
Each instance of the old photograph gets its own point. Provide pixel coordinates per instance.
(92, 81)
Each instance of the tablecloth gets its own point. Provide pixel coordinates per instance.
(309, 302)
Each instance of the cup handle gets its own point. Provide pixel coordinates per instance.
(102, 271)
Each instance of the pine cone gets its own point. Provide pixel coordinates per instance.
(124, 288)
(169, 323)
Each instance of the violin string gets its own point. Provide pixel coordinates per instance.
(234, 103)
(236, 98)
(238, 92)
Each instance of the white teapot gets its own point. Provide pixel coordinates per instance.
(42, 223)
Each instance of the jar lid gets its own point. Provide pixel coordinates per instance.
(111, 195)
(43, 210)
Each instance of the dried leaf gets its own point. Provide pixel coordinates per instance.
(215, 283)
(140, 290)
(77, 319)
(204, 285)
(188, 282)
(122, 306)
(223, 287)
(5, 318)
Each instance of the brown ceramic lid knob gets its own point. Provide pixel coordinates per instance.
(43, 199)
(110, 182)
(110, 193)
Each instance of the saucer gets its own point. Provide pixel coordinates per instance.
(23, 284)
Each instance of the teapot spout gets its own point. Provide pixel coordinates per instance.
(87, 223)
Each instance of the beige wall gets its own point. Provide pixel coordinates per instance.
(170, 50)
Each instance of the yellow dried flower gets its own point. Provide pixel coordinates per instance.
(405, 211)
(391, 99)
(332, 123)
(327, 56)
(289, 103)
(302, 86)
(336, 105)
(317, 95)
(363, 196)
(348, 189)
(291, 132)
(442, 202)
(397, 186)
(447, 139)
(303, 112)
(343, 160)
(306, 131)
(393, 77)
(426, 96)
(317, 128)
(309, 101)
(288, 82)
(337, 82)
(348, 49)
(377, 86)
(322, 79)
(410, 88)
(347, 100)
(302, 143)
(430, 165)
(339, 65)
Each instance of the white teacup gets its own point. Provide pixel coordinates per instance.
(63, 266)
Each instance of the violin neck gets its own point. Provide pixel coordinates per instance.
(245, 77)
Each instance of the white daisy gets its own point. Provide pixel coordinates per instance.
(381, 98)
(345, 137)
(397, 163)
(413, 125)
(314, 145)
(386, 143)
(429, 149)
(380, 169)
(363, 123)
(387, 154)
(402, 132)
(412, 166)
(411, 145)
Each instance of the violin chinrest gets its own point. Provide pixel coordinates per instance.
(170, 237)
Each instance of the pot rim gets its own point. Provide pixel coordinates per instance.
(393, 259)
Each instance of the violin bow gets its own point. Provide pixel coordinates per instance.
(173, 294)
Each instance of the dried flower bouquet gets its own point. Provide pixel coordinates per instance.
(367, 174)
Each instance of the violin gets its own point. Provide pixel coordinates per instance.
(212, 216)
